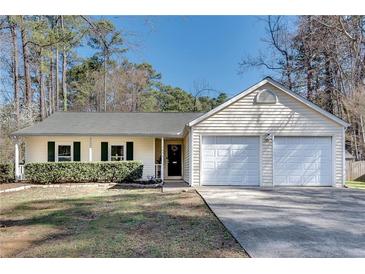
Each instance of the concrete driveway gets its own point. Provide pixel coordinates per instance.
(292, 222)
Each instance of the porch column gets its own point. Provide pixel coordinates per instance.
(90, 150)
(162, 158)
(17, 168)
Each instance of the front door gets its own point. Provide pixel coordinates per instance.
(174, 160)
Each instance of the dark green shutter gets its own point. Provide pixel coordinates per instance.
(51, 151)
(77, 148)
(130, 151)
(104, 151)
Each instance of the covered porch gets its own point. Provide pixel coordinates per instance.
(170, 158)
(164, 158)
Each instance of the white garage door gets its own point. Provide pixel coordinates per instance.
(230, 160)
(302, 161)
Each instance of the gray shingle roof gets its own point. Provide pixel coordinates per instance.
(91, 123)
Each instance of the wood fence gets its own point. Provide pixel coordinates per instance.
(355, 170)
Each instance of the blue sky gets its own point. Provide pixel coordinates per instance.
(188, 49)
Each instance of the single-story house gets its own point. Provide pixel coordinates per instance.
(263, 136)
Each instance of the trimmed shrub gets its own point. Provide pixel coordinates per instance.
(6, 172)
(58, 172)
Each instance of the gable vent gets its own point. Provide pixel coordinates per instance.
(266, 96)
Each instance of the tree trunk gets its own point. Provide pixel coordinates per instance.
(50, 95)
(26, 61)
(15, 71)
(51, 85)
(105, 60)
(328, 84)
(41, 87)
(64, 71)
(57, 105)
(64, 87)
(362, 128)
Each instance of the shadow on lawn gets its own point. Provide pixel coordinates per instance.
(123, 225)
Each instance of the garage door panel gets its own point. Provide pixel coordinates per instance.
(281, 141)
(230, 160)
(209, 164)
(250, 181)
(244, 141)
(239, 173)
(223, 152)
(310, 172)
(243, 152)
(302, 161)
(295, 179)
(307, 180)
(208, 140)
(208, 152)
(224, 140)
(325, 179)
(324, 166)
(309, 166)
(321, 141)
(209, 159)
(280, 180)
(223, 162)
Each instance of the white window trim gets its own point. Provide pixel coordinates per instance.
(117, 144)
(64, 144)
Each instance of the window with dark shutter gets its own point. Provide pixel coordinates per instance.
(104, 151)
(77, 151)
(51, 151)
(129, 151)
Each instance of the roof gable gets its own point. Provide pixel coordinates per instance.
(278, 86)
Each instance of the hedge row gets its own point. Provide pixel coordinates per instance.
(6, 172)
(57, 172)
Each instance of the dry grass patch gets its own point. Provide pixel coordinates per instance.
(95, 222)
(356, 184)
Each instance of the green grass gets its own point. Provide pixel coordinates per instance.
(355, 184)
(98, 222)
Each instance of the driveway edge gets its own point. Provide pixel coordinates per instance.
(219, 220)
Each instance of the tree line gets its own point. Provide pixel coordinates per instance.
(42, 71)
(323, 59)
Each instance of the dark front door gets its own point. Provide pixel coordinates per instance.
(174, 160)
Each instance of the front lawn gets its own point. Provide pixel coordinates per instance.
(99, 222)
(355, 184)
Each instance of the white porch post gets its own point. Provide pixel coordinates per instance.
(17, 168)
(90, 150)
(162, 158)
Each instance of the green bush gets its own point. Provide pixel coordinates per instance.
(57, 172)
(6, 172)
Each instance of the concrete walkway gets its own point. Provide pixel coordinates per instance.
(175, 186)
(292, 222)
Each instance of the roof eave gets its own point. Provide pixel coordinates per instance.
(157, 134)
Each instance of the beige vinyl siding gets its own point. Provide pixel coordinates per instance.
(289, 117)
(186, 157)
(36, 148)
(266, 162)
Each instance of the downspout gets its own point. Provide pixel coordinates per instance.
(162, 158)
